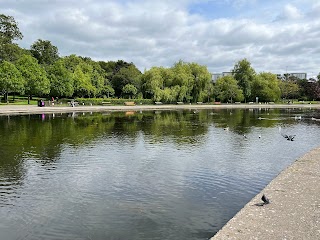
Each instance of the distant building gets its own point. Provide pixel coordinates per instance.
(288, 75)
(216, 76)
(298, 75)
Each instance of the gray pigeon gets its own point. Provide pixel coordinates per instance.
(265, 199)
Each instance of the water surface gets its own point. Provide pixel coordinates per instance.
(141, 175)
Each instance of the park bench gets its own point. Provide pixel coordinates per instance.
(105, 103)
(199, 102)
(237, 102)
(217, 102)
(179, 103)
(158, 103)
(129, 103)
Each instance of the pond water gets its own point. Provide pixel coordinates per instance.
(141, 175)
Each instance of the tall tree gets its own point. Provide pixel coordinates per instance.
(61, 80)
(265, 86)
(10, 79)
(289, 89)
(44, 52)
(227, 89)
(126, 75)
(82, 80)
(202, 81)
(34, 75)
(244, 74)
(9, 32)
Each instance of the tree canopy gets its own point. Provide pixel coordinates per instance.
(244, 74)
(44, 52)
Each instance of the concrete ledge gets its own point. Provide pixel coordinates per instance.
(294, 211)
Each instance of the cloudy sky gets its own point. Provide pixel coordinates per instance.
(274, 35)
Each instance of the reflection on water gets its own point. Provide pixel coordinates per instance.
(141, 175)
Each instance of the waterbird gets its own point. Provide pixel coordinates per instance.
(226, 129)
(288, 137)
(265, 199)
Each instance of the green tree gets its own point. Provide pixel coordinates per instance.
(82, 80)
(184, 78)
(265, 86)
(126, 75)
(44, 52)
(10, 79)
(61, 80)
(244, 74)
(9, 32)
(289, 89)
(36, 81)
(227, 89)
(152, 83)
(107, 90)
(201, 82)
(129, 90)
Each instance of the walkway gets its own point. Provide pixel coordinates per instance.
(33, 109)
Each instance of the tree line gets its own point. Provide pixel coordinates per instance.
(40, 71)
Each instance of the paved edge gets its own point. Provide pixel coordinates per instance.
(33, 109)
(294, 211)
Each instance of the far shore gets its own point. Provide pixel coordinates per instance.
(34, 109)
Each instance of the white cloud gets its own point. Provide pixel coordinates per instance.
(159, 33)
(290, 12)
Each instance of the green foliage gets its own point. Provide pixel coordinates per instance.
(126, 75)
(244, 74)
(108, 91)
(227, 89)
(9, 29)
(10, 79)
(265, 86)
(61, 80)
(34, 76)
(289, 89)
(44, 52)
(113, 101)
(129, 90)
(82, 80)
(183, 82)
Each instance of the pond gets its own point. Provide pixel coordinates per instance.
(141, 175)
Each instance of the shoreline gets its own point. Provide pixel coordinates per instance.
(34, 109)
(294, 209)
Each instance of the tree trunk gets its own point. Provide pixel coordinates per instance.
(29, 96)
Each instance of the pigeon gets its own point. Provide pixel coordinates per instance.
(265, 199)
